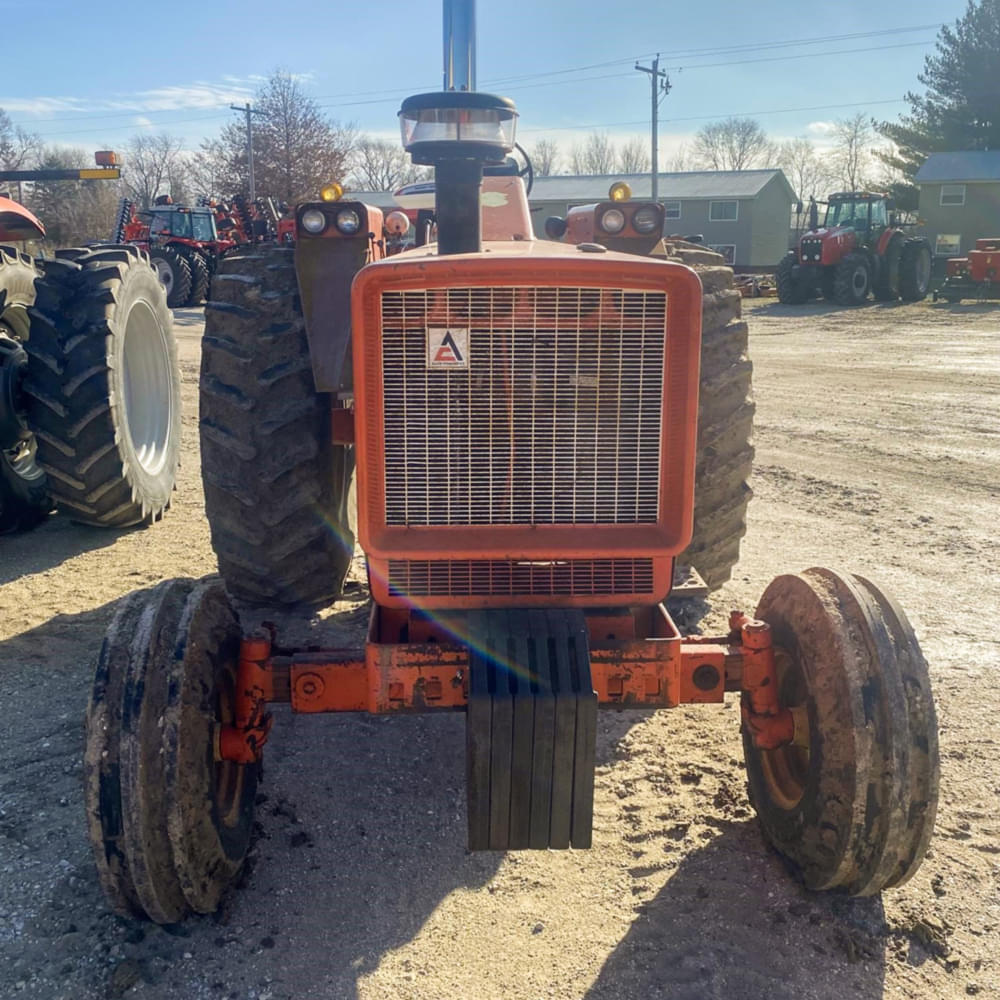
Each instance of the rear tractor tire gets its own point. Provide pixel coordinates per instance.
(915, 270)
(725, 433)
(24, 493)
(169, 825)
(276, 488)
(852, 280)
(851, 803)
(887, 287)
(792, 291)
(201, 277)
(103, 387)
(174, 272)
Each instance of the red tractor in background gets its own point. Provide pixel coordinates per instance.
(976, 276)
(859, 250)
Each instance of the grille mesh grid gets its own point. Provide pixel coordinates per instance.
(514, 578)
(555, 421)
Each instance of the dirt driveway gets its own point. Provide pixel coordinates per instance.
(878, 449)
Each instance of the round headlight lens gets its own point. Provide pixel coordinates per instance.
(313, 221)
(646, 219)
(613, 221)
(348, 222)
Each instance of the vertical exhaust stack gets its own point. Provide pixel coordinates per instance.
(457, 131)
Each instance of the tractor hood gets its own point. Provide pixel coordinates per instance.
(17, 223)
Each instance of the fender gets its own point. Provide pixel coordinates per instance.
(17, 223)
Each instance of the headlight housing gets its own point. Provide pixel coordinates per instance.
(646, 219)
(313, 221)
(348, 221)
(613, 221)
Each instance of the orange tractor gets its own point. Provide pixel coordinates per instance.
(90, 395)
(858, 251)
(522, 417)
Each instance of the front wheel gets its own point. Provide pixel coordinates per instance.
(852, 280)
(851, 802)
(791, 289)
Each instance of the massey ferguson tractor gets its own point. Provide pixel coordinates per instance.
(725, 402)
(975, 276)
(522, 417)
(90, 397)
(858, 251)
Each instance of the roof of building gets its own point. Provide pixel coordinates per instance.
(693, 184)
(688, 185)
(965, 166)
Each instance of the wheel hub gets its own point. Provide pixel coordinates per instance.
(164, 272)
(13, 362)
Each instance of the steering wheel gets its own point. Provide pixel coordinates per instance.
(527, 172)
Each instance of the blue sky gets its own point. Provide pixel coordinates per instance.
(94, 74)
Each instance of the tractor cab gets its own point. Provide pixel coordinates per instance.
(176, 222)
(862, 211)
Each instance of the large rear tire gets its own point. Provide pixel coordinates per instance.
(276, 488)
(725, 434)
(103, 386)
(915, 270)
(24, 494)
(201, 277)
(851, 802)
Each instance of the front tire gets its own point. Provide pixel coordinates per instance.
(276, 488)
(851, 802)
(852, 280)
(174, 272)
(201, 277)
(792, 290)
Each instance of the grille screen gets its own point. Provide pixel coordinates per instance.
(501, 577)
(555, 419)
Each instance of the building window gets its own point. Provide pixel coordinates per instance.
(949, 245)
(728, 250)
(953, 194)
(671, 209)
(723, 211)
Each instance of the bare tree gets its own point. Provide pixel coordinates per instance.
(732, 144)
(805, 168)
(152, 162)
(853, 158)
(681, 161)
(17, 147)
(73, 212)
(633, 157)
(545, 157)
(595, 155)
(382, 166)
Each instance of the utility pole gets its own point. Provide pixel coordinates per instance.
(658, 80)
(248, 111)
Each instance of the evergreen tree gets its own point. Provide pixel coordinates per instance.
(961, 107)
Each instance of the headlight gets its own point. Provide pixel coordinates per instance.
(348, 222)
(313, 221)
(646, 219)
(613, 221)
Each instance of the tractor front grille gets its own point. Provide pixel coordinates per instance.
(519, 578)
(555, 419)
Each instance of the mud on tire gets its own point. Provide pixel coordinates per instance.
(725, 432)
(276, 489)
(103, 386)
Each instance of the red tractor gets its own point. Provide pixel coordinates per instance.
(858, 251)
(976, 276)
(184, 245)
(522, 415)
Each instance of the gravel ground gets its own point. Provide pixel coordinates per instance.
(878, 450)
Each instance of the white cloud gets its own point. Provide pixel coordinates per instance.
(142, 121)
(199, 95)
(822, 128)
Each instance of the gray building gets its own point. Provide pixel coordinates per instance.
(959, 200)
(742, 213)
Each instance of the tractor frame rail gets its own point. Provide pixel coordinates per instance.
(412, 662)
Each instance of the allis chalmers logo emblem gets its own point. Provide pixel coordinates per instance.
(447, 347)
